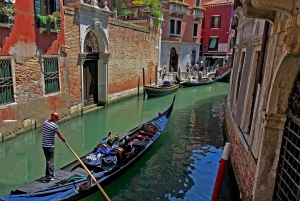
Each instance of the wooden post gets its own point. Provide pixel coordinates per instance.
(156, 71)
(139, 86)
(144, 82)
(221, 172)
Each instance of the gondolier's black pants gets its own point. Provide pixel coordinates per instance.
(49, 154)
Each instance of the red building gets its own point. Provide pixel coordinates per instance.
(181, 34)
(217, 34)
(33, 79)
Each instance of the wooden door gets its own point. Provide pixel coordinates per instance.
(90, 82)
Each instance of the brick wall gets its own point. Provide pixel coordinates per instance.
(73, 60)
(132, 48)
(242, 160)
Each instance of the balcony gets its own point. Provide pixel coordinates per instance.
(197, 13)
(6, 21)
(177, 7)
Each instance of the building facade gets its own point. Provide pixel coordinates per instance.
(262, 114)
(83, 60)
(181, 34)
(217, 34)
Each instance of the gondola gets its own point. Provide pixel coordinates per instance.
(166, 88)
(72, 181)
(198, 83)
(225, 77)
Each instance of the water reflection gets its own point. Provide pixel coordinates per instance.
(182, 165)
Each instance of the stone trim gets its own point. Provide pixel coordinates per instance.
(128, 25)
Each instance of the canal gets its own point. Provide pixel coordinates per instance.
(182, 165)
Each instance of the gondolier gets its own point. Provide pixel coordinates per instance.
(49, 129)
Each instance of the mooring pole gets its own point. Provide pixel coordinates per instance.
(138, 86)
(144, 82)
(221, 172)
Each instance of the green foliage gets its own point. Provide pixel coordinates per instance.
(156, 11)
(180, 3)
(48, 22)
(8, 10)
(139, 2)
(200, 8)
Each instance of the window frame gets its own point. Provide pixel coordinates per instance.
(175, 27)
(212, 22)
(12, 65)
(45, 57)
(216, 45)
(195, 23)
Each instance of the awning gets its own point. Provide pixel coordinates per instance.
(213, 42)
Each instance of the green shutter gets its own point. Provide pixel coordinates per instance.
(8, 4)
(37, 7)
(57, 6)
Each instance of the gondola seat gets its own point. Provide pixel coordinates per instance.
(120, 152)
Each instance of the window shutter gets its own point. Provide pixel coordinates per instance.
(57, 6)
(211, 22)
(37, 7)
(220, 21)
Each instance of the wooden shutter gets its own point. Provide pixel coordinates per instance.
(37, 7)
(212, 22)
(57, 6)
(219, 21)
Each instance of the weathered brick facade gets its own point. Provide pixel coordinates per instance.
(132, 48)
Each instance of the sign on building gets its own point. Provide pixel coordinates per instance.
(222, 47)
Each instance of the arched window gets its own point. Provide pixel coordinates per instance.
(90, 43)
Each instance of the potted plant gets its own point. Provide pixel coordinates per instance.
(49, 22)
(7, 13)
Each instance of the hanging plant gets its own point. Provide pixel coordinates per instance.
(199, 8)
(8, 13)
(49, 22)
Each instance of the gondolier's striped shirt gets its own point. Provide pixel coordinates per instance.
(49, 129)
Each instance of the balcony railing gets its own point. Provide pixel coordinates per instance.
(177, 8)
(6, 21)
(197, 13)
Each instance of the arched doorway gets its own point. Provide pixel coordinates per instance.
(193, 58)
(288, 176)
(173, 65)
(90, 69)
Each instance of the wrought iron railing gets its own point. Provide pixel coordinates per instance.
(51, 75)
(6, 82)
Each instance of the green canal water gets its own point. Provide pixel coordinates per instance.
(182, 165)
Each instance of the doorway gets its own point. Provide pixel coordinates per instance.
(173, 65)
(90, 82)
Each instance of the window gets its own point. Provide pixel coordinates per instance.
(51, 75)
(203, 22)
(197, 3)
(6, 82)
(213, 44)
(231, 42)
(215, 22)
(45, 7)
(195, 31)
(201, 42)
(175, 27)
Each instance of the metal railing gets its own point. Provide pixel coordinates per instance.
(6, 83)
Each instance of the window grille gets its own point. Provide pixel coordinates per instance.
(51, 75)
(287, 184)
(6, 82)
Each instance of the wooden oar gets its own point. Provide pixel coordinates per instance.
(93, 178)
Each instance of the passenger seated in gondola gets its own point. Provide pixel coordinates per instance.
(110, 140)
(125, 144)
(193, 80)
